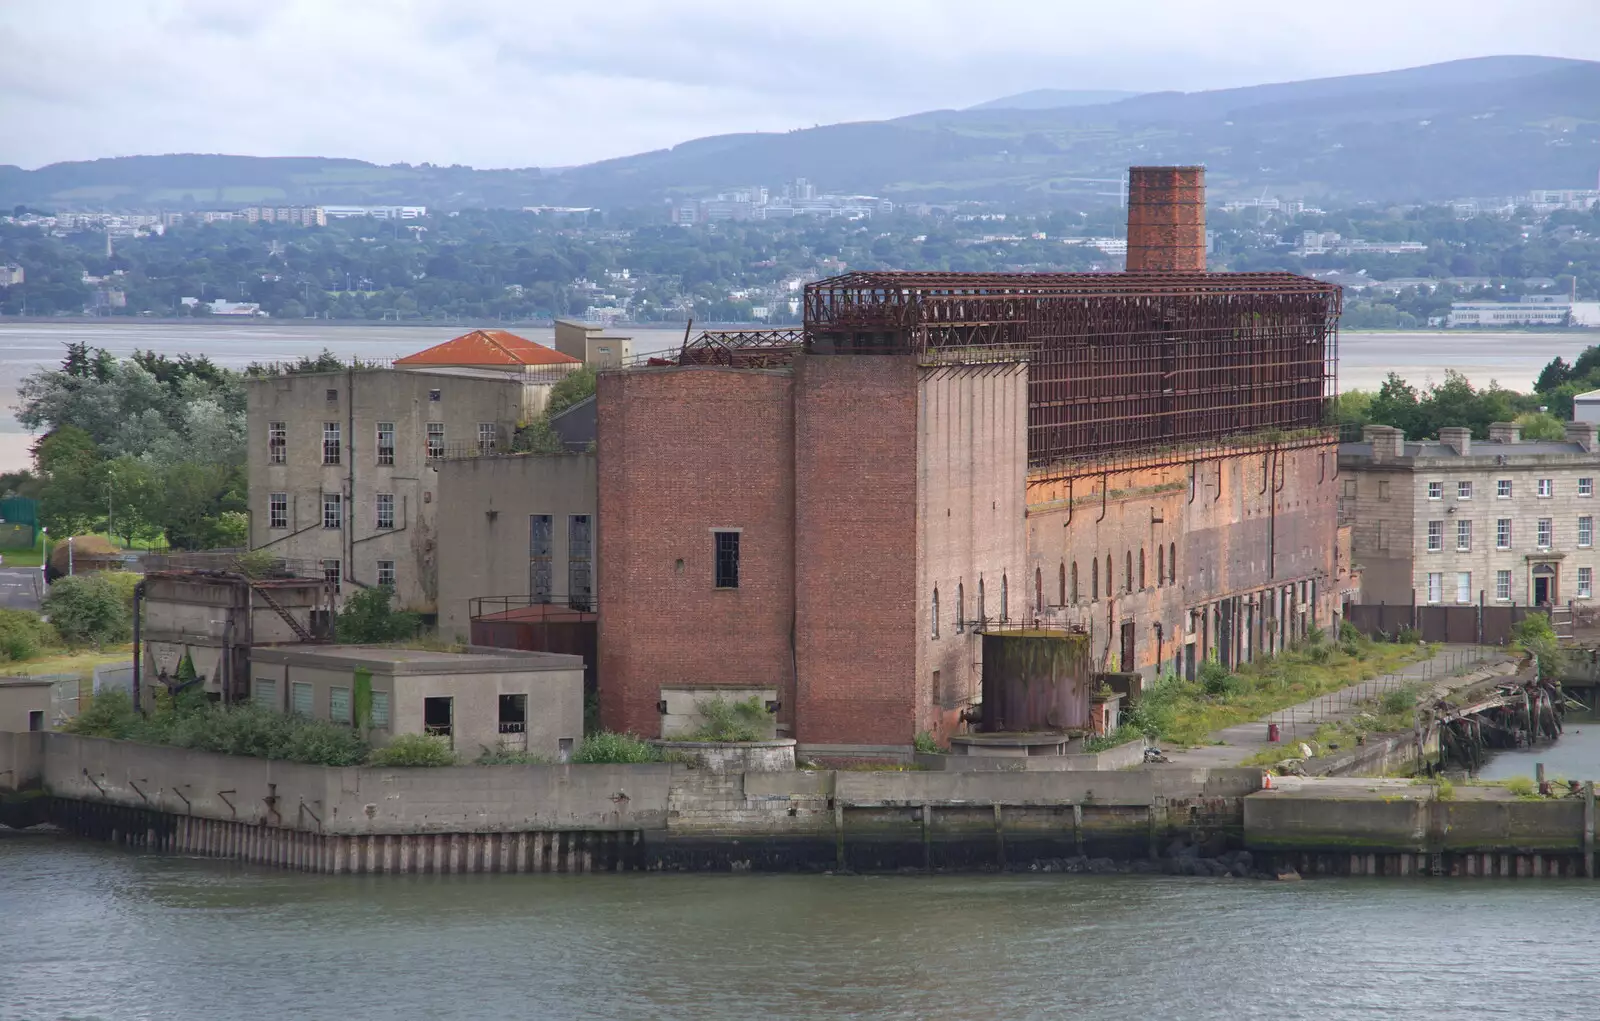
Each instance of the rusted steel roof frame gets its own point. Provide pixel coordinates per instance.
(748, 349)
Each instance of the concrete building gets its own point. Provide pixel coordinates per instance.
(1547, 310)
(1458, 520)
(202, 624)
(482, 699)
(838, 516)
(519, 531)
(589, 344)
(343, 465)
(11, 276)
(25, 703)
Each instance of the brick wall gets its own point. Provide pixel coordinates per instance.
(682, 452)
(855, 496)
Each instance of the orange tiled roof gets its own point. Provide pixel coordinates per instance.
(492, 348)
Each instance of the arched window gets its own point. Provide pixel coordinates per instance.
(1109, 576)
(1172, 562)
(1141, 568)
(1161, 565)
(1038, 590)
(1004, 599)
(961, 607)
(1064, 586)
(1127, 571)
(1094, 578)
(936, 611)
(1074, 581)
(981, 609)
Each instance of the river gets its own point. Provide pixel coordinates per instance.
(92, 933)
(1514, 359)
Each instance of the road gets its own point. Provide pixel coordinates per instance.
(19, 588)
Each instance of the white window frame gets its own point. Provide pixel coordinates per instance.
(1435, 586)
(332, 443)
(384, 511)
(1502, 489)
(1547, 489)
(334, 503)
(1464, 535)
(1545, 534)
(1464, 490)
(1436, 537)
(386, 573)
(1585, 583)
(1502, 586)
(1463, 587)
(488, 436)
(1585, 531)
(1502, 533)
(435, 440)
(277, 443)
(278, 510)
(1436, 490)
(1586, 487)
(384, 444)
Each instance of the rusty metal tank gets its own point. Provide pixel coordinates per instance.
(1166, 219)
(1035, 680)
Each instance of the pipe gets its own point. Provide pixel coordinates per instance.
(348, 533)
(138, 653)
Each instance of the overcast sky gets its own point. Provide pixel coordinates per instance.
(513, 83)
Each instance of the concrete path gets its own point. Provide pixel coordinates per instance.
(19, 587)
(1452, 667)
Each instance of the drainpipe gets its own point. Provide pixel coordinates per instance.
(349, 531)
(138, 652)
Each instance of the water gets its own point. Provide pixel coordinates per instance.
(1573, 756)
(89, 932)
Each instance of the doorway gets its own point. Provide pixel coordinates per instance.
(1127, 648)
(1544, 585)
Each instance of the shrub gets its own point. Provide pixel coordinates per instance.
(608, 746)
(1407, 636)
(1217, 680)
(731, 721)
(414, 750)
(503, 757)
(1397, 701)
(925, 743)
(1534, 635)
(108, 714)
(23, 635)
(1445, 790)
(1521, 786)
(89, 609)
(368, 616)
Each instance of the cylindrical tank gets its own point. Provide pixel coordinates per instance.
(1166, 219)
(1035, 680)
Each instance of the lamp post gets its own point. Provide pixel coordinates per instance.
(44, 561)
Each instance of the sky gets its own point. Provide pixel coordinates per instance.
(517, 83)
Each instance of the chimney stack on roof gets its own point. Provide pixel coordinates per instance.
(1583, 434)
(1166, 219)
(1387, 442)
(1505, 432)
(1457, 438)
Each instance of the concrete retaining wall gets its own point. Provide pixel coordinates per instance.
(1124, 756)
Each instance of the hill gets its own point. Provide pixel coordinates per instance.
(1051, 99)
(1486, 126)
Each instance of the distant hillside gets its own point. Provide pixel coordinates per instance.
(1487, 126)
(1051, 99)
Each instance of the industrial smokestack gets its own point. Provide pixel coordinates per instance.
(1166, 219)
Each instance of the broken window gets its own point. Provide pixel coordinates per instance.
(386, 575)
(330, 442)
(332, 510)
(438, 716)
(435, 440)
(1074, 581)
(580, 566)
(541, 555)
(935, 614)
(277, 510)
(727, 552)
(277, 442)
(513, 714)
(385, 510)
(386, 443)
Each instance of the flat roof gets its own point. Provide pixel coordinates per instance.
(1479, 448)
(478, 659)
(28, 682)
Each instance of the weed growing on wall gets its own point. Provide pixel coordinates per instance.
(610, 747)
(413, 750)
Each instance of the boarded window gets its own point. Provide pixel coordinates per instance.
(302, 698)
(380, 709)
(266, 692)
(339, 705)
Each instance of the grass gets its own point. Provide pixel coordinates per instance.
(22, 558)
(1188, 712)
(69, 661)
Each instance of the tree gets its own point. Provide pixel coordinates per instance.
(72, 498)
(369, 616)
(88, 609)
(570, 389)
(1397, 404)
(1541, 425)
(135, 491)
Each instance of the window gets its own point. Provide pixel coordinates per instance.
(277, 442)
(1586, 487)
(333, 396)
(1463, 536)
(961, 607)
(1585, 582)
(1435, 536)
(1172, 562)
(1586, 531)
(1127, 571)
(1463, 490)
(277, 510)
(302, 698)
(1502, 585)
(435, 440)
(1383, 489)
(1435, 586)
(513, 714)
(1436, 490)
(264, 692)
(1063, 586)
(386, 443)
(330, 443)
(1094, 578)
(1074, 581)
(1502, 533)
(580, 566)
(386, 574)
(1141, 568)
(379, 716)
(983, 609)
(1038, 591)
(936, 688)
(1546, 533)
(1463, 586)
(1161, 565)
(486, 437)
(1350, 488)
(438, 716)
(541, 557)
(727, 570)
(385, 510)
(35, 720)
(339, 705)
(1547, 488)
(435, 396)
(1502, 489)
(1005, 598)
(332, 510)
(1108, 576)
(935, 614)
(332, 573)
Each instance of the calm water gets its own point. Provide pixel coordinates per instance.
(1575, 756)
(88, 932)
(1364, 358)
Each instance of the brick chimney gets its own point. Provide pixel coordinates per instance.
(1387, 442)
(1505, 432)
(1457, 439)
(1166, 219)
(1583, 434)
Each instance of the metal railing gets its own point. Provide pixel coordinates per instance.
(484, 606)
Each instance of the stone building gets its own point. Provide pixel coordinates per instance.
(343, 465)
(1464, 521)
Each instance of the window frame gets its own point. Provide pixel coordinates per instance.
(386, 567)
(1502, 593)
(433, 434)
(278, 511)
(333, 573)
(1502, 489)
(1585, 583)
(1546, 489)
(1435, 587)
(1586, 487)
(1585, 531)
(1464, 489)
(1435, 536)
(277, 442)
(488, 437)
(1463, 586)
(332, 444)
(1463, 535)
(726, 549)
(333, 502)
(1545, 534)
(383, 517)
(385, 450)
(1436, 490)
(1502, 533)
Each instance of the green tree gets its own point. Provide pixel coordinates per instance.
(369, 616)
(88, 609)
(135, 490)
(1541, 425)
(572, 388)
(1397, 404)
(73, 495)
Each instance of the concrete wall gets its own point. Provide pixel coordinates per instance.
(681, 452)
(1251, 532)
(20, 697)
(1351, 825)
(855, 522)
(972, 462)
(365, 398)
(484, 525)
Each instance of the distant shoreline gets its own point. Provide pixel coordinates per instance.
(469, 324)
